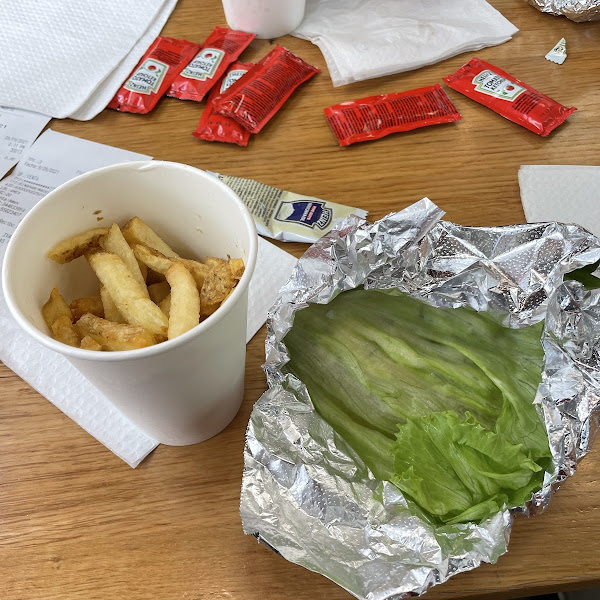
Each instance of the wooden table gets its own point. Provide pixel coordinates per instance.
(76, 523)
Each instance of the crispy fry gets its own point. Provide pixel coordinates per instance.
(76, 246)
(216, 288)
(213, 261)
(131, 300)
(115, 242)
(64, 331)
(89, 343)
(111, 312)
(137, 232)
(237, 267)
(87, 304)
(184, 311)
(114, 336)
(165, 305)
(198, 270)
(158, 262)
(54, 308)
(137, 306)
(159, 291)
(152, 258)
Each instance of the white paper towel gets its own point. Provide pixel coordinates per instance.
(565, 193)
(53, 159)
(54, 56)
(362, 39)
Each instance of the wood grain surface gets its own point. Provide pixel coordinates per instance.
(76, 523)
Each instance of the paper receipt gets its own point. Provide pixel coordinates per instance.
(51, 161)
(18, 130)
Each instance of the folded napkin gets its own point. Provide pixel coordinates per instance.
(565, 193)
(362, 39)
(69, 57)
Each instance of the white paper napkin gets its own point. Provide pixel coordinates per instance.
(53, 159)
(54, 56)
(106, 90)
(362, 39)
(565, 193)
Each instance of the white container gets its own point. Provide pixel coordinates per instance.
(178, 392)
(267, 18)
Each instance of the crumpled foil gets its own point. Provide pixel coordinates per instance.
(305, 492)
(576, 10)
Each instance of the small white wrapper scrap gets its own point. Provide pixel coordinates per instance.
(558, 54)
(306, 493)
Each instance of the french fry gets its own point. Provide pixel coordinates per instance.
(217, 286)
(152, 258)
(165, 305)
(111, 312)
(148, 293)
(88, 343)
(137, 232)
(158, 262)
(87, 304)
(131, 300)
(198, 270)
(115, 242)
(64, 331)
(237, 267)
(159, 291)
(184, 313)
(54, 308)
(76, 246)
(114, 336)
(213, 261)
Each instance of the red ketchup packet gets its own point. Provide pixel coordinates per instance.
(254, 99)
(153, 75)
(214, 127)
(508, 96)
(377, 116)
(222, 47)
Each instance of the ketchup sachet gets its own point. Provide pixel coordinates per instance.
(508, 96)
(377, 116)
(221, 48)
(214, 127)
(153, 75)
(256, 97)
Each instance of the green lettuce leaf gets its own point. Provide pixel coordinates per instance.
(436, 401)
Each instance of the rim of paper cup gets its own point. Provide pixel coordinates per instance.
(159, 348)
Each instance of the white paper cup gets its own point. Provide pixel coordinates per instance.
(266, 18)
(178, 392)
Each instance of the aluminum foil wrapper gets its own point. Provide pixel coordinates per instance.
(308, 496)
(576, 10)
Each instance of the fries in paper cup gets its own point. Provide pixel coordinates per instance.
(130, 311)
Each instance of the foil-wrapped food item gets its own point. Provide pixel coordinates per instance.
(576, 10)
(309, 496)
